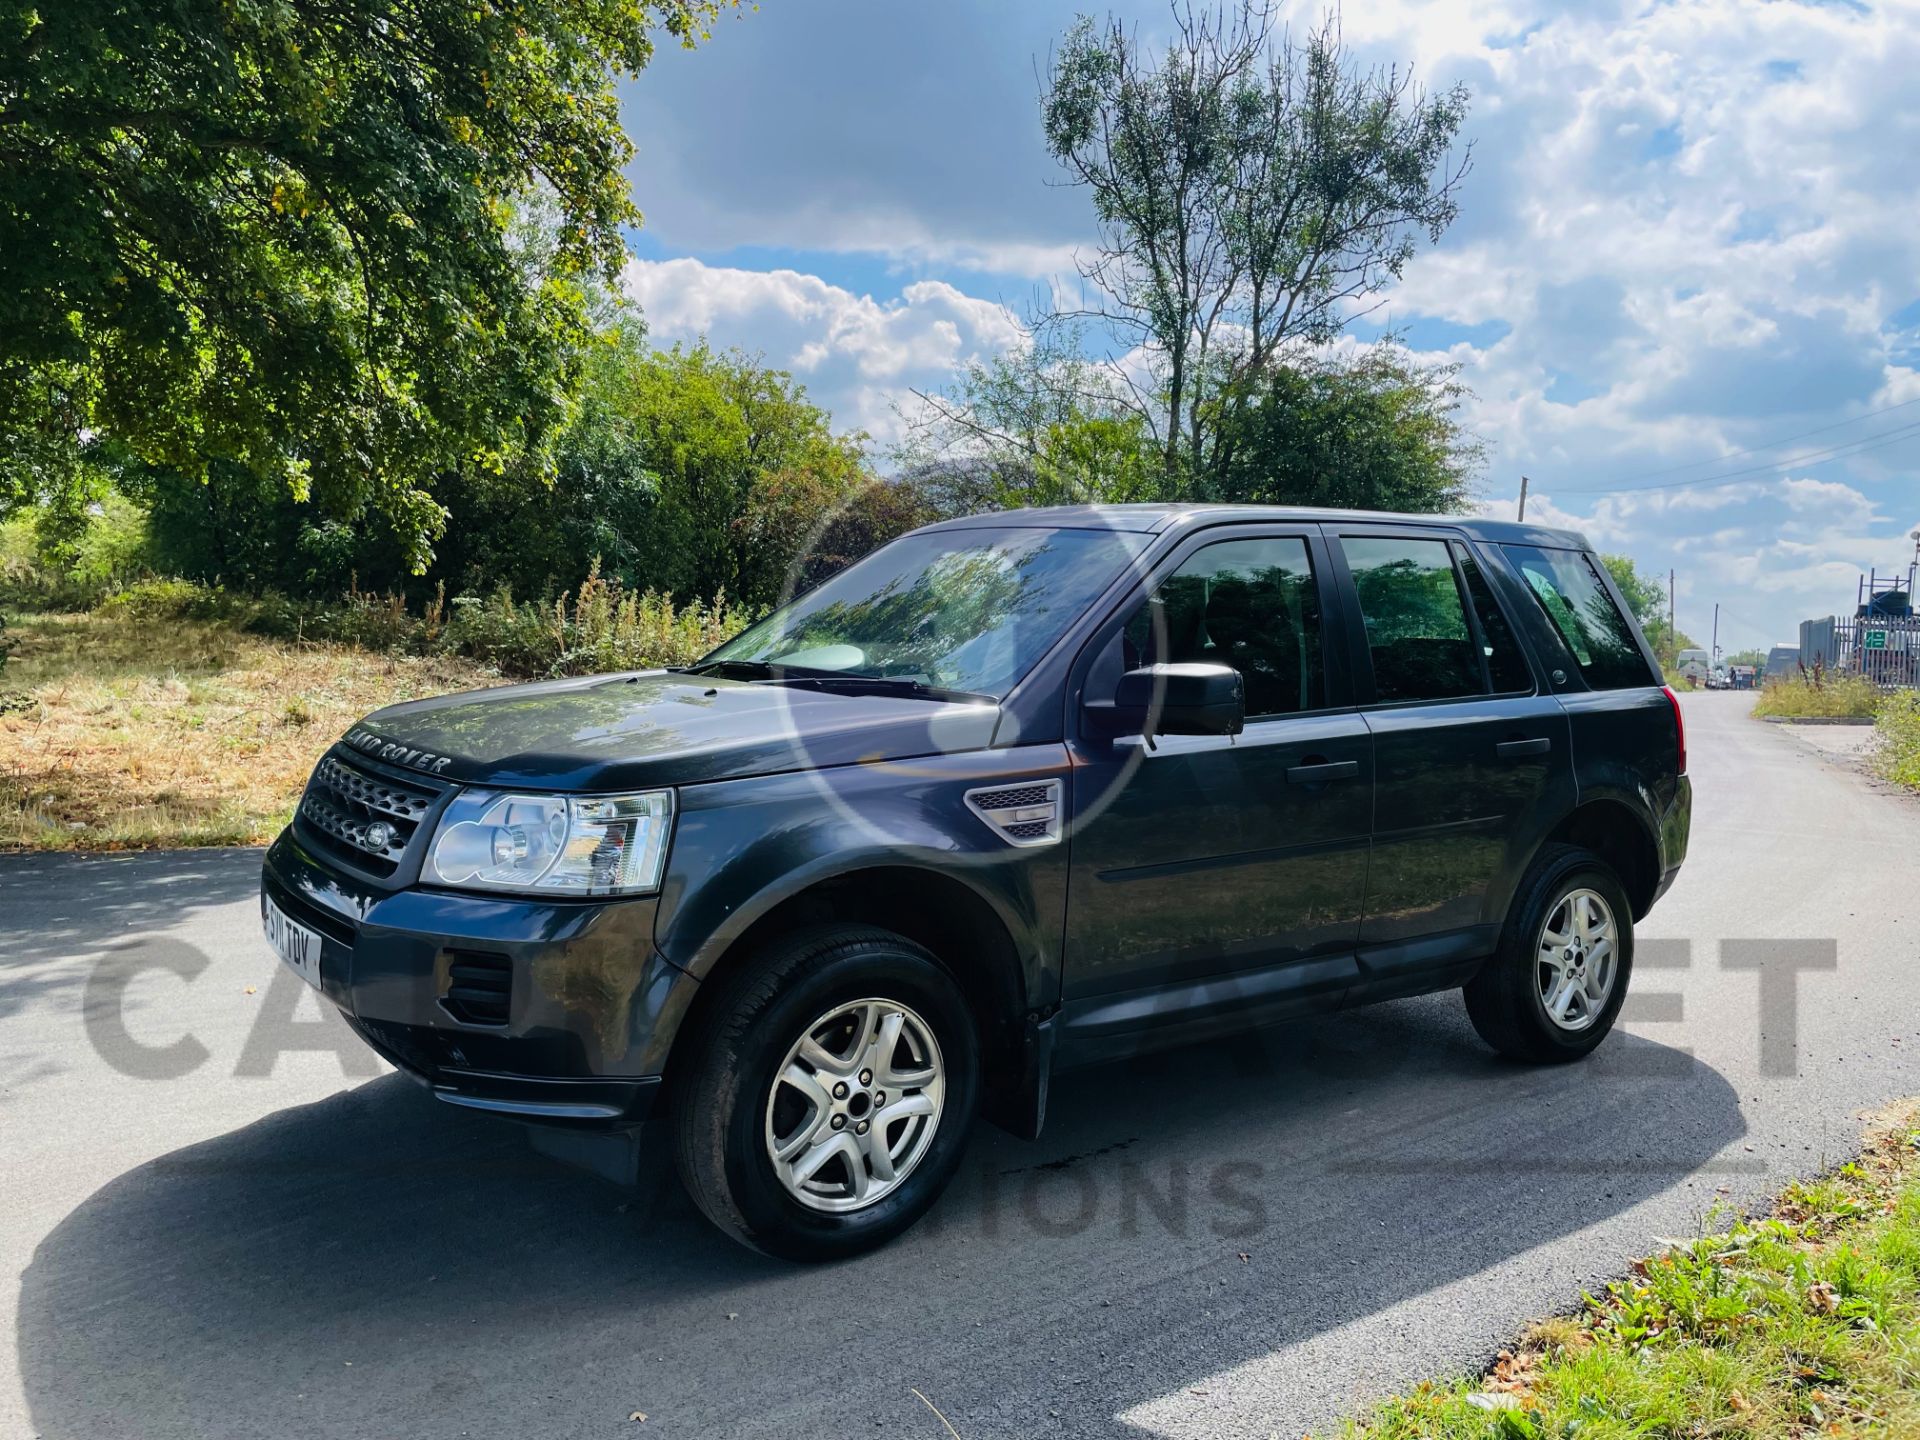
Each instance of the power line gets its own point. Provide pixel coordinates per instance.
(1807, 460)
(1783, 440)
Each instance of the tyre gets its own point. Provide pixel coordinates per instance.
(1553, 988)
(829, 1094)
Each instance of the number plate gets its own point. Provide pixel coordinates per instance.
(292, 942)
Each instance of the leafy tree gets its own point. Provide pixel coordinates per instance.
(1755, 658)
(284, 237)
(1646, 597)
(712, 427)
(1251, 192)
(803, 525)
(1379, 433)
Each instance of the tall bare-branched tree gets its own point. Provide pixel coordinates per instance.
(1254, 192)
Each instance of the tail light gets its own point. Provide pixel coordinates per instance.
(1679, 729)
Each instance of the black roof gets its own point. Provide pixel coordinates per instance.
(1155, 518)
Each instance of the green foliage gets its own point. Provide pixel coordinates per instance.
(1379, 433)
(1813, 694)
(1898, 721)
(712, 427)
(804, 524)
(1799, 1324)
(1755, 658)
(292, 238)
(1249, 190)
(671, 457)
(602, 627)
(690, 471)
(1646, 597)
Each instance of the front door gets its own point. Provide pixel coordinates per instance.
(1471, 754)
(1198, 856)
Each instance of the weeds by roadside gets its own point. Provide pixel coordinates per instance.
(1814, 695)
(1898, 724)
(174, 713)
(132, 732)
(598, 627)
(1803, 1323)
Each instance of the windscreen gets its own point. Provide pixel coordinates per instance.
(963, 609)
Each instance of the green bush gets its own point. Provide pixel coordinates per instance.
(1898, 722)
(513, 638)
(1814, 695)
(171, 600)
(601, 628)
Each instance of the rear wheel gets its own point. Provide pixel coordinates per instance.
(1553, 989)
(827, 1101)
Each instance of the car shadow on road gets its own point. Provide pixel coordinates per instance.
(378, 1263)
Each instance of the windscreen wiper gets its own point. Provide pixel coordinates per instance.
(772, 672)
(751, 670)
(884, 684)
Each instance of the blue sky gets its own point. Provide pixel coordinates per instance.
(1692, 231)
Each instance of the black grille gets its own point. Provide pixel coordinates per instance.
(1030, 830)
(343, 803)
(479, 988)
(1013, 799)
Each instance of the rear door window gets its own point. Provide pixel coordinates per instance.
(1417, 632)
(1598, 638)
(1506, 664)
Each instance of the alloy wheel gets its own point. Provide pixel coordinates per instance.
(1577, 959)
(854, 1106)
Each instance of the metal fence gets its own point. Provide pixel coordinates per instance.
(1885, 649)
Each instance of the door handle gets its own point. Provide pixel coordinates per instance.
(1321, 772)
(1520, 749)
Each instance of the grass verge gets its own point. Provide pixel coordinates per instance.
(119, 732)
(1805, 1322)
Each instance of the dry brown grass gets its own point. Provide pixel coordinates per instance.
(118, 733)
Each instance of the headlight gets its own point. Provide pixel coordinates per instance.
(552, 844)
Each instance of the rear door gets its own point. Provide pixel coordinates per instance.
(1624, 742)
(1471, 751)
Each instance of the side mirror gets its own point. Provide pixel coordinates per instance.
(1190, 699)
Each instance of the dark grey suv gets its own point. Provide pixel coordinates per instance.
(1013, 793)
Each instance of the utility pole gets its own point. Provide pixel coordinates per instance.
(1716, 632)
(1524, 482)
(1670, 642)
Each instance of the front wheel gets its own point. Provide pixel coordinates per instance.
(1553, 989)
(828, 1098)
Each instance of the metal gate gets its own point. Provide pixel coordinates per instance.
(1884, 649)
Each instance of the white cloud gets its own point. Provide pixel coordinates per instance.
(857, 355)
(1687, 233)
(1843, 506)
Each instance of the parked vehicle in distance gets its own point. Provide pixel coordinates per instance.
(1719, 679)
(1011, 794)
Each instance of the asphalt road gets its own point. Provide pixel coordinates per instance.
(219, 1233)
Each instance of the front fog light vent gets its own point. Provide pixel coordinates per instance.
(1020, 814)
(479, 988)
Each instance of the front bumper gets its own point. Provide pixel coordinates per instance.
(578, 1012)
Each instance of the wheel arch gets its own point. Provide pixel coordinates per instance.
(1618, 834)
(947, 917)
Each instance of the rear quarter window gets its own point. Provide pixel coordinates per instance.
(1597, 638)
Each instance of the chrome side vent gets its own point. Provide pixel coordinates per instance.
(1020, 814)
